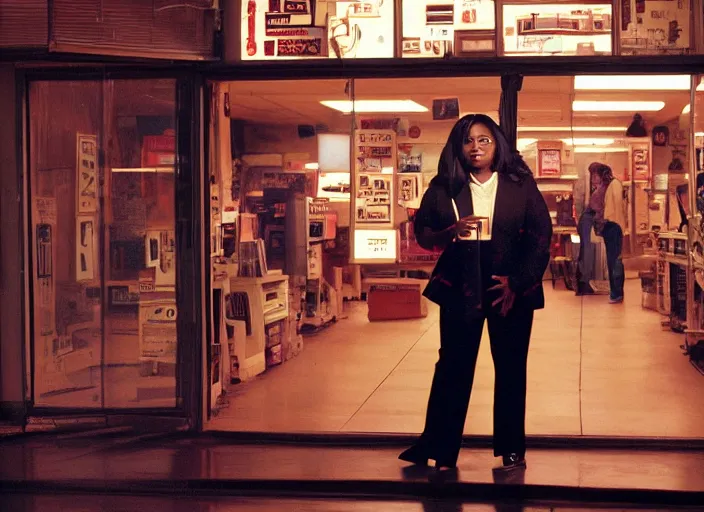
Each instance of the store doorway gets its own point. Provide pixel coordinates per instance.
(312, 208)
(106, 160)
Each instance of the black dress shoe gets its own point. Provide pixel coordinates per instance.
(415, 455)
(512, 461)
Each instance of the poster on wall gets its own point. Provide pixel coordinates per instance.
(640, 161)
(157, 331)
(655, 27)
(305, 29)
(85, 248)
(557, 29)
(87, 173)
(409, 190)
(430, 26)
(375, 163)
(361, 29)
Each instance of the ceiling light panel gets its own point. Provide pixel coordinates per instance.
(572, 128)
(617, 106)
(632, 83)
(375, 106)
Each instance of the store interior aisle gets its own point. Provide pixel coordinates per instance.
(594, 369)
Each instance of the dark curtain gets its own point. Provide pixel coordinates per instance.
(508, 107)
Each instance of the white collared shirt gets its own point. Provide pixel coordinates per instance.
(484, 199)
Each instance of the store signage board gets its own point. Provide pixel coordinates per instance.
(557, 29)
(309, 29)
(430, 27)
(374, 169)
(375, 246)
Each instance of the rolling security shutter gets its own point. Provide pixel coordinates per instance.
(24, 24)
(172, 29)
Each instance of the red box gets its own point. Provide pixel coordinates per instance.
(396, 299)
(159, 150)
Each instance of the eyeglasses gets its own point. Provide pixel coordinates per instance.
(482, 141)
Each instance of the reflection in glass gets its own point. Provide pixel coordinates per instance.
(140, 252)
(102, 160)
(65, 126)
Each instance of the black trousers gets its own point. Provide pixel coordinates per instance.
(613, 240)
(454, 375)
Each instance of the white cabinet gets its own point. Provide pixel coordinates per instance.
(254, 303)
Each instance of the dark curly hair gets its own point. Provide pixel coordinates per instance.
(454, 169)
(603, 171)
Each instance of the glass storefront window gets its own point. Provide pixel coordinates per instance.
(102, 159)
(434, 28)
(557, 29)
(304, 29)
(652, 28)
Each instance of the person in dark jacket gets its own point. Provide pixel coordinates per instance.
(495, 276)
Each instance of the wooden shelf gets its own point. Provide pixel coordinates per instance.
(557, 178)
(164, 170)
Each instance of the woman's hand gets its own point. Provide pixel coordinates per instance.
(507, 297)
(465, 226)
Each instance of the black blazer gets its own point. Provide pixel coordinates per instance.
(521, 234)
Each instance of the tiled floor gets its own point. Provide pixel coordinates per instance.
(594, 369)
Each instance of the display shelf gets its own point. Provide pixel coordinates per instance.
(568, 177)
(163, 170)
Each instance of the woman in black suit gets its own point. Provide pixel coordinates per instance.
(497, 279)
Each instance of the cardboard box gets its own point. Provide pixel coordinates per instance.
(396, 299)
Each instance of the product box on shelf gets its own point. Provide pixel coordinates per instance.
(549, 158)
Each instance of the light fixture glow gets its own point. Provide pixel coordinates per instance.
(597, 149)
(700, 87)
(687, 108)
(522, 144)
(572, 128)
(632, 83)
(699, 134)
(617, 106)
(588, 142)
(312, 166)
(375, 106)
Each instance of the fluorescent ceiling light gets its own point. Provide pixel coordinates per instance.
(572, 128)
(617, 106)
(597, 149)
(632, 82)
(588, 142)
(687, 108)
(524, 143)
(345, 106)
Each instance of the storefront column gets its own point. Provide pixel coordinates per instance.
(508, 106)
(11, 247)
